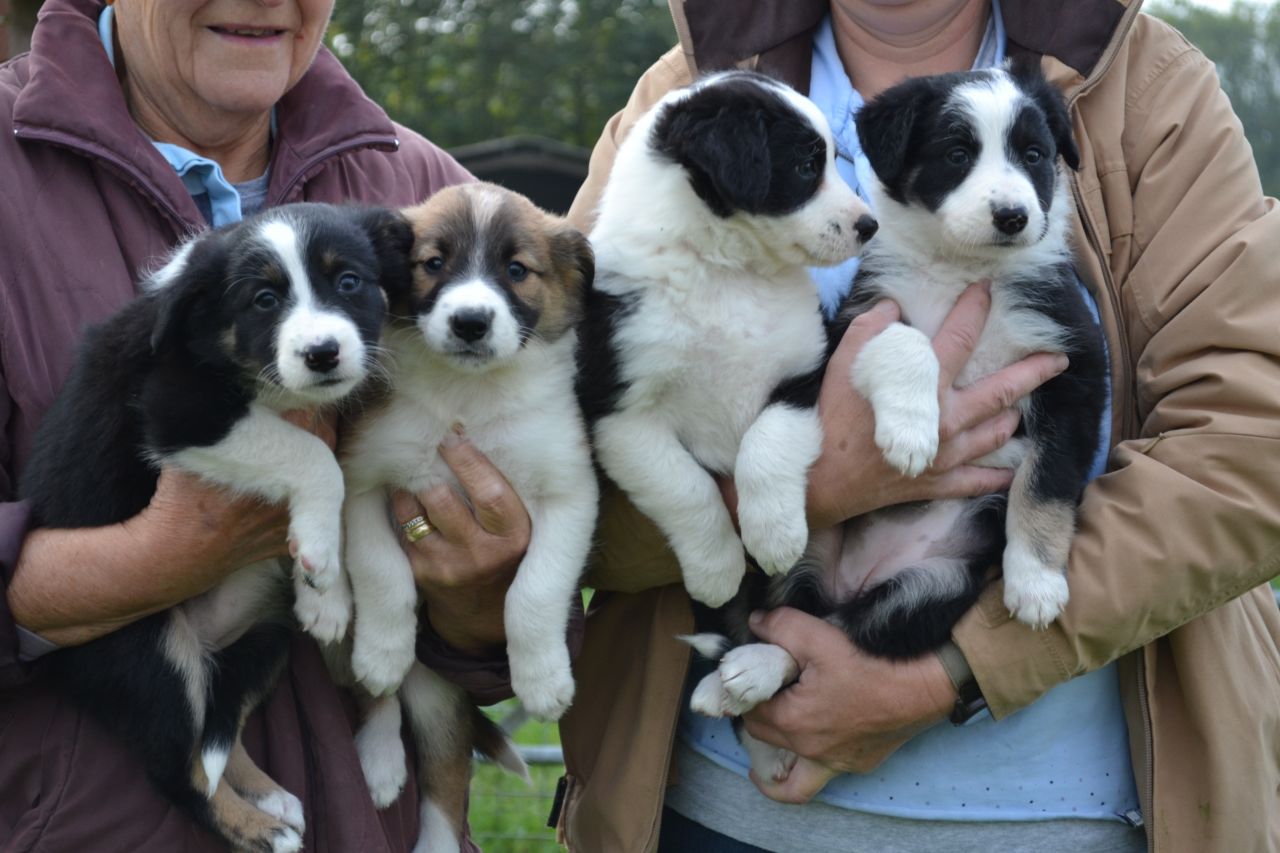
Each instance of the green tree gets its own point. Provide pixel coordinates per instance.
(1244, 42)
(462, 71)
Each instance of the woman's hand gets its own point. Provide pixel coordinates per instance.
(464, 566)
(848, 711)
(851, 476)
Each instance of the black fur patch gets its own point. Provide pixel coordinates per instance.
(600, 384)
(744, 146)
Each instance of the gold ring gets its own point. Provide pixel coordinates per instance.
(417, 528)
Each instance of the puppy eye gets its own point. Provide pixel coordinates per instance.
(349, 282)
(433, 264)
(517, 271)
(957, 156)
(266, 300)
(808, 168)
(1032, 155)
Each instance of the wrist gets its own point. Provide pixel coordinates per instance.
(469, 628)
(967, 701)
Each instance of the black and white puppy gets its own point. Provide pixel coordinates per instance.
(970, 187)
(704, 340)
(482, 342)
(277, 312)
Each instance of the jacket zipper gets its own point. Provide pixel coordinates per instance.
(1127, 374)
(389, 142)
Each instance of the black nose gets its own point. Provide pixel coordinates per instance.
(866, 226)
(471, 324)
(321, 357)
(1009, 220)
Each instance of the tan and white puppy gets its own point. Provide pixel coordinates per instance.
(483, 342)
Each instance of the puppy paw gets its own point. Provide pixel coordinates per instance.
(908, 437)
(382, 758)
(317, 555)
(323, 615)
(286, 839)
(767, 761)
(379, 662)
(1034, 593)
(709, 698)
(715, 579)
(776, 541)
(284, 807)
(753, 673)
(543, 684)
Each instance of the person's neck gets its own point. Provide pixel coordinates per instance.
(881, 44)
(239, 144)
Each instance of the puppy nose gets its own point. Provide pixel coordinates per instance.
(866, 226)
(471, 324)
(321, 357)
(1010, 220)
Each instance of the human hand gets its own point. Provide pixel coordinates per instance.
(848, 711)
(851, 476)
(465, 565)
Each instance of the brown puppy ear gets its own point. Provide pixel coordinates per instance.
(575, 265)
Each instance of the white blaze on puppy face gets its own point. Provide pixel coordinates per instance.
(305, 324)
(994, 182)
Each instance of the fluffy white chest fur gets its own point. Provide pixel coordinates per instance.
(703, 352)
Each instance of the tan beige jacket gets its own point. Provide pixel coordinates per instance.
(1182, 251)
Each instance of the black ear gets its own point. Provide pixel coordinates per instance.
(1031, 79)
(178, 285)
(392, 238)
(886, 125)
(725, 149)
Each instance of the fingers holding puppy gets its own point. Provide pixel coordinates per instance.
(466, 560)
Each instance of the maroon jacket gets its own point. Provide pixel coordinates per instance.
(86, 202)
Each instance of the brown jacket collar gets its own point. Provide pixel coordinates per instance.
(780, 32)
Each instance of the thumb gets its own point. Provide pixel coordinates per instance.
(796, 631)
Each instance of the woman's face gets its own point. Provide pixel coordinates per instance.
(232, 55)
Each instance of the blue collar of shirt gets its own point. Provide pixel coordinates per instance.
(200, 175)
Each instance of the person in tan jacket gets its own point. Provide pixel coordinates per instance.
(1176, 542)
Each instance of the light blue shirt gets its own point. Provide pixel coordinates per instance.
(218, 199)
(1065, 755)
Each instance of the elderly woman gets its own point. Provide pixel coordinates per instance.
(125, 128)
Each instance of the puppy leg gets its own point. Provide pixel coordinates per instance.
(439, 716)
(244, 826)
(537, 607)
(1039, 531)
(384, 593)
(255, 786)
(897, 371)
(381, 750)
(771, 475)
(651, 465)
(267, 456)
(753, 673)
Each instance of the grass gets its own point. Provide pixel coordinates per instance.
(506, 816)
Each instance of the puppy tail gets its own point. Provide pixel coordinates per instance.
(710, 646)
(494, 744)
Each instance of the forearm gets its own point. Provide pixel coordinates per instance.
(71, 586)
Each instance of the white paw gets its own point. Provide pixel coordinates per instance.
(753, 673)
(543, 683)
(382, 758)
(715, 578)
(709, 698)
(285, 807)
(908, 437)
(317, 552)
(323, 615)
(286, 840)
(1033, 592)
(776, 542)
(379, 660)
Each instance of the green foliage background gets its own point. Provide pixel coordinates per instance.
(462, 71)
